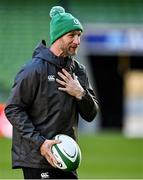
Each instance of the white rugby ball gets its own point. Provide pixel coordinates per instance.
(67, 153)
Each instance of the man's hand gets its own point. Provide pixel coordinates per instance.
(70, 84)
(45, 150)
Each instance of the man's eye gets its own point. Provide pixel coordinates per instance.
(71, 35)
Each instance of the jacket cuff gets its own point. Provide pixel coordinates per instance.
(40, 142)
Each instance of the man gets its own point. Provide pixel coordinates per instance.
(48, 94)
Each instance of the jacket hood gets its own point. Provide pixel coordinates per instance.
(44, 53)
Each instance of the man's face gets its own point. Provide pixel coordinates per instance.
(69, 43)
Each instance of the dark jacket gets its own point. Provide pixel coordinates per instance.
(38, 110)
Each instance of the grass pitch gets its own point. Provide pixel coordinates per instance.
(104, 155)
(112, 156)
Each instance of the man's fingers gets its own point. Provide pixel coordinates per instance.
(63, 77)
(51, 156)
(62, 89)
(67, 74)
(63, 83)
(51, 160)
(45, 150)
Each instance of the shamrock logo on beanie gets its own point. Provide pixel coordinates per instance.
(62, 23)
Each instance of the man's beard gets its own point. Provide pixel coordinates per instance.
(71, 53)
(68, 52)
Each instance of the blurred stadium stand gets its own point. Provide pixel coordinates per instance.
(111, 47)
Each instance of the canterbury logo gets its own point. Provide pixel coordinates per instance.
(45, 175)
(51, 78)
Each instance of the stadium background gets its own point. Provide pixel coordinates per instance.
(112, 50)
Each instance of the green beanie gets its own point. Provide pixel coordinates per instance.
(62, 23)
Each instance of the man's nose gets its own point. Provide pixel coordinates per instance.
(77, 40)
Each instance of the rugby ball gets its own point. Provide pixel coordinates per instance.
(67, 153)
